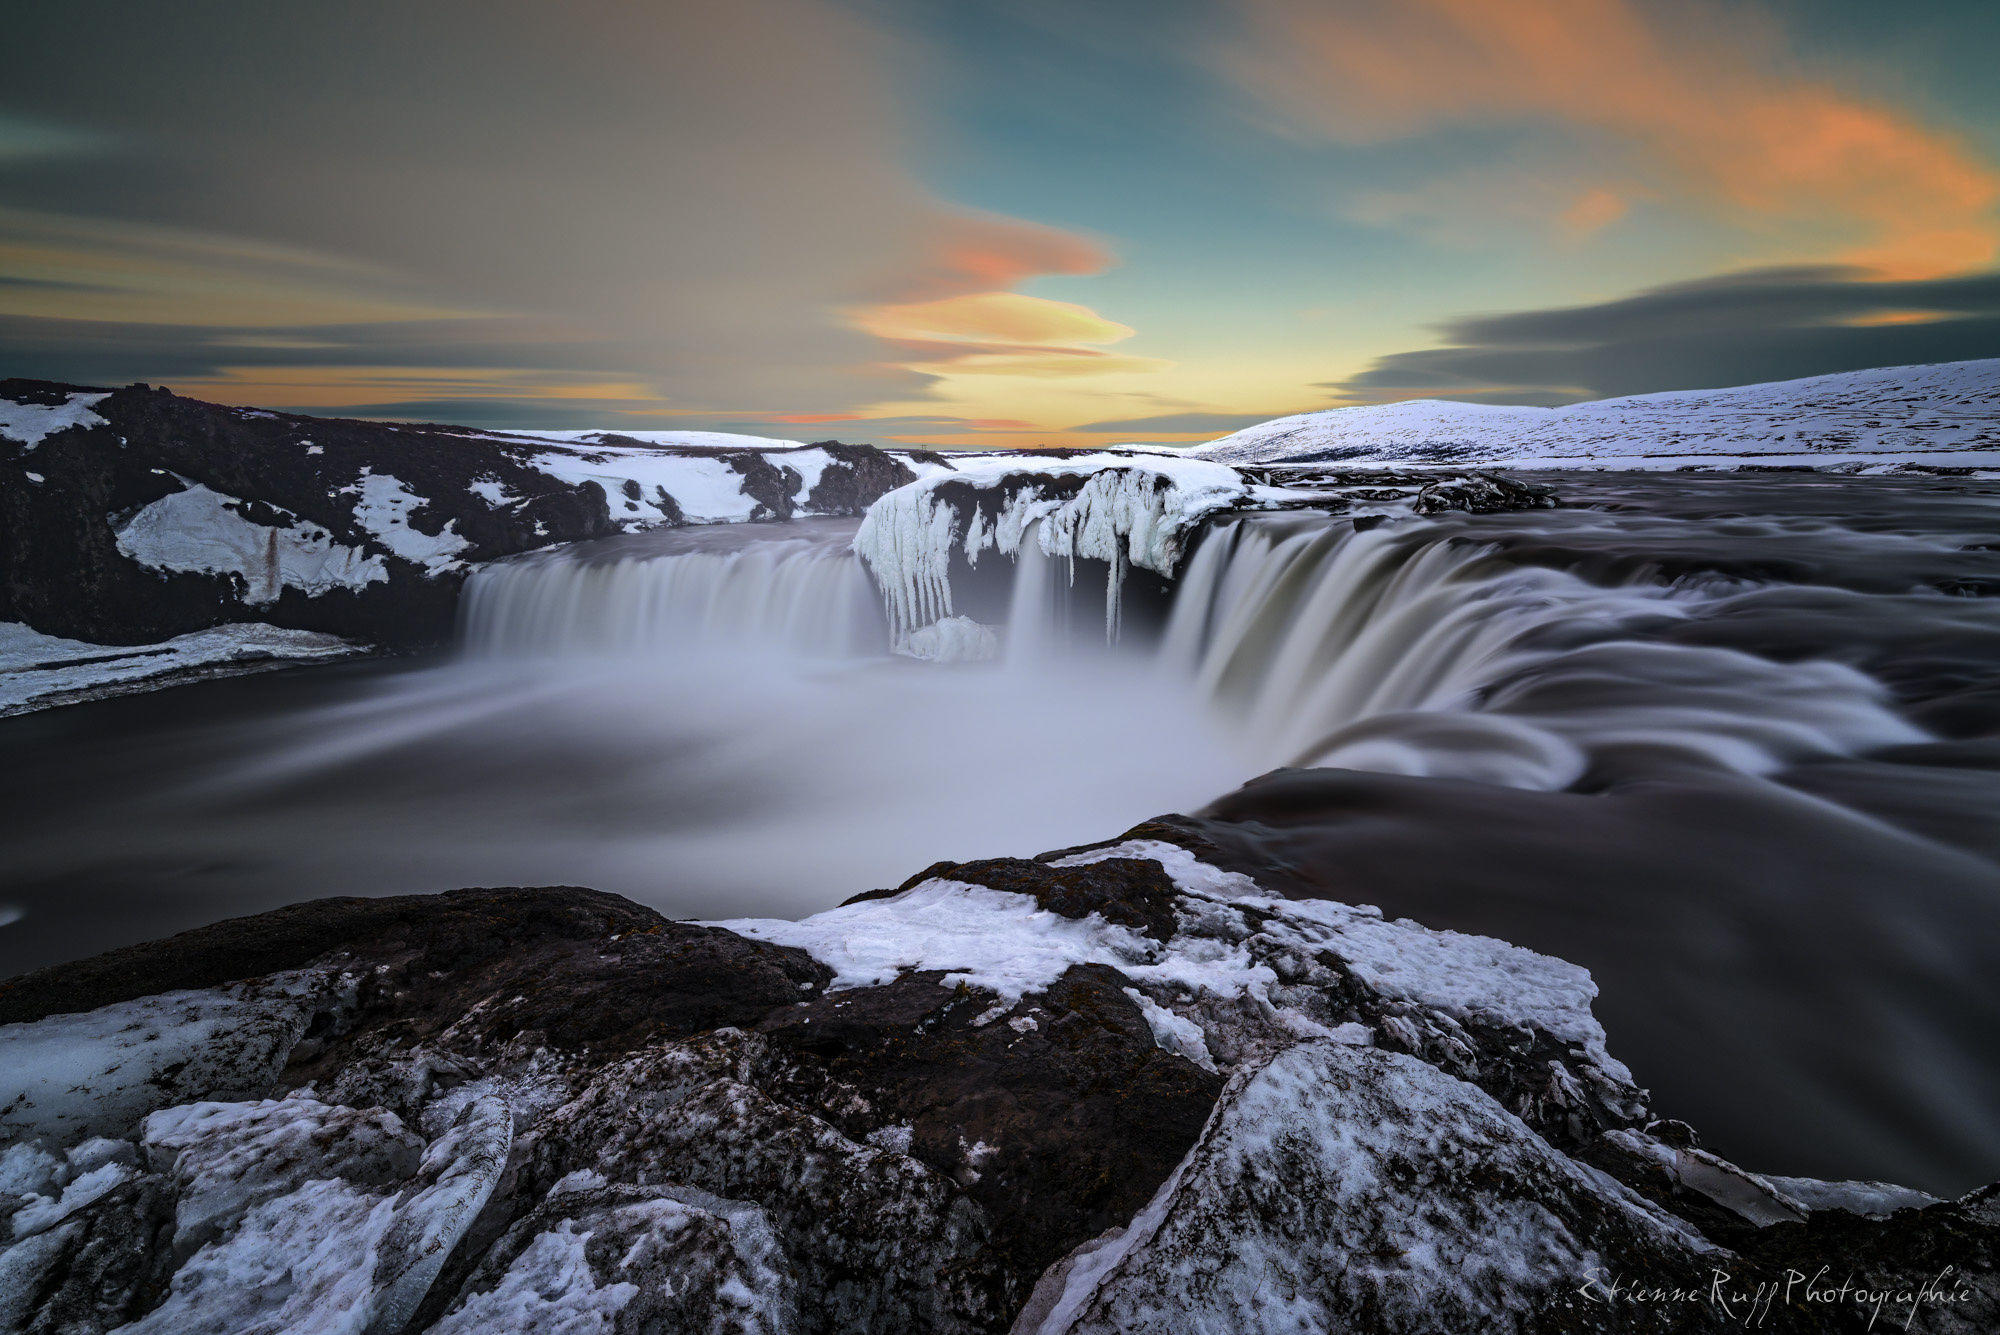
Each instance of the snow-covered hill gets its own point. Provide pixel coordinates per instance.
(1944, 415)
(137, 517)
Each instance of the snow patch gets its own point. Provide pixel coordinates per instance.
(29, 424)
(991, 939)
(201, 531)
(492, 491)
(384, 510)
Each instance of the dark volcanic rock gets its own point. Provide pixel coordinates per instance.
(1203, 1107)
(1059, 1117)
(1482, 493)
(457, 930)
(867, 473)
(1132, 892)
(361, 529)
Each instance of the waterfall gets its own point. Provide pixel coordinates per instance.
(799, 596)
(1397, 649)
(1305, 641)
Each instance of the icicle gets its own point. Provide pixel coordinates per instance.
(1128, 510)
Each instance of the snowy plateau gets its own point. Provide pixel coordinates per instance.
(1944, 415)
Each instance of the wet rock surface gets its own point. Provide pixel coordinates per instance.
(1141, 1092)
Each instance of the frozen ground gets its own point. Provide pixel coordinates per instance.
(1943, 415)
(38, 670)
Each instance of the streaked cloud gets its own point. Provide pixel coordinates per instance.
(1689, 102)
(989, 318)
(685, 197)
(1020, 224)
(1769, 324)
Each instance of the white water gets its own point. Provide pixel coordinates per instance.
(1383, 651)
(799, 596)
(711, 721)
(1292, 640)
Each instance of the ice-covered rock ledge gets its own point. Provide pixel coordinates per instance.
(1128, 508)
(38, 671)
(1108, 1089)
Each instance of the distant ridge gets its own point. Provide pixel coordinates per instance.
(1946, 414)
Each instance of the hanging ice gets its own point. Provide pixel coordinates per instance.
(1125, 509)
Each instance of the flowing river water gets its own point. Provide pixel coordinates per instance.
(1728, 741)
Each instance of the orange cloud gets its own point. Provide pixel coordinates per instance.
(992, 317)
(963, 253)
(1000, 333)
(1593, 211)
(1692, 101)
(1877, 318)
(1052, 363)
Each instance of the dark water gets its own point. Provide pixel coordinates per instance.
(1727, 741)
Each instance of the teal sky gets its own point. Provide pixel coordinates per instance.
(995, 223)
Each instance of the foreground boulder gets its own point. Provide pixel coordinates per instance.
(1112, 1088)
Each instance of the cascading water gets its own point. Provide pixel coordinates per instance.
(807, 596)
(1401, 651)
(1308, 642)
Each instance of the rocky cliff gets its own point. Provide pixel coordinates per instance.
(133, 515)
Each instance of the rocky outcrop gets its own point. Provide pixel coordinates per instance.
(1111, 1088)
(134, 515)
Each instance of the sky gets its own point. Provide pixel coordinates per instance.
(977, 223)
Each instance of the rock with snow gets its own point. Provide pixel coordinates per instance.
(1118, 1087)
(1340, 1187)
(613, 1259)
(1942, 415)
(224, 1158)
(133, 516)
(101, 1072)
(38, 670)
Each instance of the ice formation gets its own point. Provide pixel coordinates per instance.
(1126, 509)
(953, 640)
(37, 669)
